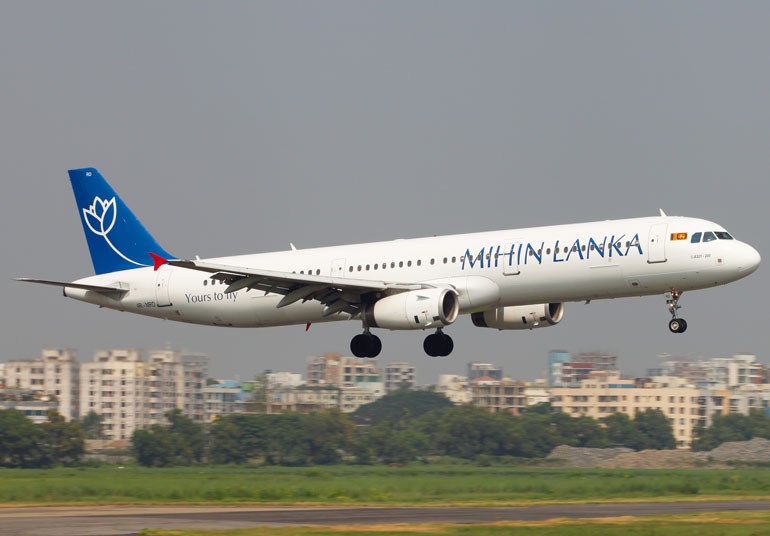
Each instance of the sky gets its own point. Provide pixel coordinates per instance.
(239, 127)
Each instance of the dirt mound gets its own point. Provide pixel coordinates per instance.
(754, 450)
(585, 457)
(656, 459)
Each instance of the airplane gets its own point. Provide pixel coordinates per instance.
(505, 280)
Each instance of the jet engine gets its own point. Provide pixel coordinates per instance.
(520, 316)
(416, 309)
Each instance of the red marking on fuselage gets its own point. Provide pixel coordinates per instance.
(159, 261)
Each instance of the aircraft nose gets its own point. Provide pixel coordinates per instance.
(749, 260)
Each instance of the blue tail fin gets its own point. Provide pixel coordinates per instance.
(116, 239)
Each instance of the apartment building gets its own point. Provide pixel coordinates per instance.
(341, 371)
(456, 388)
(223, 398)
(603, 394)
(399, 376)
(565, 370)
(56, 373)
(477, 370)
(130, 392)
(499, 395)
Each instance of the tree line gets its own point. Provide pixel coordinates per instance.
(26, 444)
(399, 428)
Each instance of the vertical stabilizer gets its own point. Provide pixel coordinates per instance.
(116, 239)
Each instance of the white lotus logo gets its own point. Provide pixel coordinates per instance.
(100, 218)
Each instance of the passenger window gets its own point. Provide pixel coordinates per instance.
(433, 261)
(400, 264)
(392, 264)
(445, 259)
(723, 235)
(419, 262)
(709, 236)
(350, 269)
(408, 263)
(375, 266)
(367, 267)
(318, 271)
(454, 259)
(548, 251)
(695, 238)
(566, 249)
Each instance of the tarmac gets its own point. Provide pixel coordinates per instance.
(129, 520)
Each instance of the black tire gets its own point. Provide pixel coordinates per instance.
(359, 345)
(675, 325)
(430, 345)
(375, 346)
(682, 325)
(447, 345)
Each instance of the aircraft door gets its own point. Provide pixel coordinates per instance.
(508, 258)
(656, 245)
(338, 268)
(162, 287)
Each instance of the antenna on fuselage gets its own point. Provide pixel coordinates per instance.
(661, 212)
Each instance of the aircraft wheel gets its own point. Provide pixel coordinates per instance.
(431, 345)
(677, 325)
(375, 346)
(447, 345)
(682, 325)
(359, 345)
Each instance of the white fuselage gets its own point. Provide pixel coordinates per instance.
(587, 261)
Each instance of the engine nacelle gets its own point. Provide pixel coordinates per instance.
(416, 309)
(520, 316)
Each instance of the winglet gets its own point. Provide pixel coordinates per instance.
(159, 261)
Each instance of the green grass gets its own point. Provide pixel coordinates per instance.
(342, 484)
(721, 524)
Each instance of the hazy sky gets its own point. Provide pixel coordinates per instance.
(238, 127)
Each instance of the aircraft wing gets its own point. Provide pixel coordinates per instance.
(338, 294)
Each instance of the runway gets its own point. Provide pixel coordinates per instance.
(129, 520)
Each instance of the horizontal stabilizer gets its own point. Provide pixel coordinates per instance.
(95, 288)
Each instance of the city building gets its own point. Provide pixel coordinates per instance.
(498, 395)
(2, 375)
(223, 398)
(131, 393)
(324, 369)
(537, 392)
(605, 393)
(563, 373)
(716, 373)
(477, 370)
(56, 373)
(341, 371)
(399, 376)
(33, 404)
(283, 379)
(456, 388)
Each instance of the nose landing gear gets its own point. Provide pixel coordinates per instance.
(676, 325)
(438, 344)
(366, 345)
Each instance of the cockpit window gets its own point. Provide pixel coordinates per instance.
(708, 236)
(723, 235)
(696, 238)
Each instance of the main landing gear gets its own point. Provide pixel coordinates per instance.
(676, 325)
(438, 344)
(369, 345)
(366, 344)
